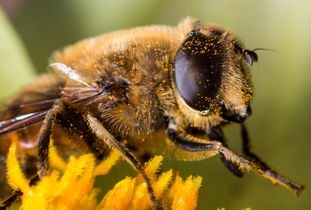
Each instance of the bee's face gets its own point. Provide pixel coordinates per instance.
(211, 74)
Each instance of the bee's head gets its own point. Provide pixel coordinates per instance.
(211, 74)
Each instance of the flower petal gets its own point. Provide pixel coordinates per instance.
(15, 175)
(55, 160)
(120, 196)
(186, 197)
(105, 166)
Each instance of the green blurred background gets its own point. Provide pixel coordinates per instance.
(30, 30)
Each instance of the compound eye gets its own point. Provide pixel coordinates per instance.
(197, 70)
(250, 56)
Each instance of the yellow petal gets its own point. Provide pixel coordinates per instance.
(16, 178)
(177, 184)
(75, 188)
(42, 194)
(120, 196)
(55, 160)
(85, 182)
(105, 166)
(151, 168)
(74, 169)
(73, 192)
(186, 197)
(141, 199)
(162, 183)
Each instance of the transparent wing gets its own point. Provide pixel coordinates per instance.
(34, 112)
(20, 122)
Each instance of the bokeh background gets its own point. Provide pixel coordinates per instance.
(30, 30)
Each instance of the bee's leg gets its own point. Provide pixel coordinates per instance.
(145, 157)
(142, 156)
(101, 132)
(73, 124)
(44, 137)
(10, 200)
(190, 143)
(16, 194)
(43, 147)
(216, 133)
(247, 148)
(266, 170)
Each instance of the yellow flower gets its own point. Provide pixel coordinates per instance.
(71, 185)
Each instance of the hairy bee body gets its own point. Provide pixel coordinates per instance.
(145, 85)
(136, 63)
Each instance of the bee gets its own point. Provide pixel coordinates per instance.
(133, 90)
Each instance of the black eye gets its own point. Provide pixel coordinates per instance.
(250, 56)
(198, 69)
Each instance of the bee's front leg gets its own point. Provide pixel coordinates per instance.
(216, 134)
(246, 146)
(6, 203)
(192, 144)
(266, 170)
